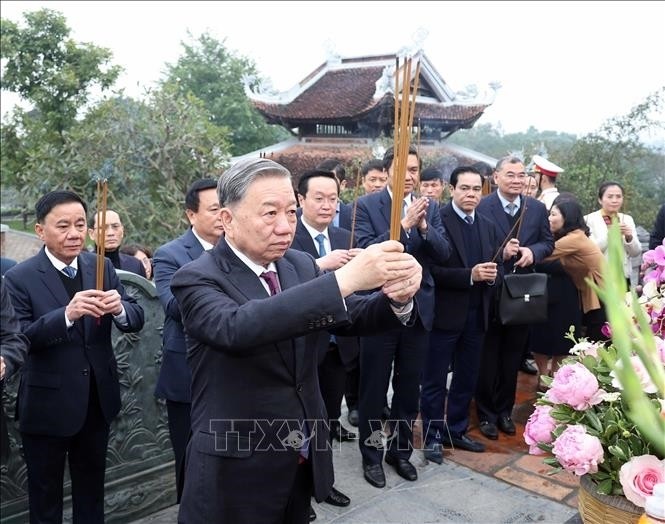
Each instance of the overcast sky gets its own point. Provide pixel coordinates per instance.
(563, 66)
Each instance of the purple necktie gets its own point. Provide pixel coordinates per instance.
(273, 283)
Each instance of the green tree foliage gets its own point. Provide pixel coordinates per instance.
(50, 70)
(215, 75)
(150, 152)
(493, 142)
(615, 152)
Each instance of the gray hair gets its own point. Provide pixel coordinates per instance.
(235, 181)
(510, 159)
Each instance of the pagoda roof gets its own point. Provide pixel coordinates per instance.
(342, 90)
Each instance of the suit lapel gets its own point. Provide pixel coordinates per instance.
(385, 207)
(249, 285)
(51, 280)
(192, 245)
(88, 269)
(485, 247)
(336, 239)
(304, 240)
(293, 354)
(500, 216)
(455, 231)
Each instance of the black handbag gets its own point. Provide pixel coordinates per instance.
(523, 299)
(523, 296)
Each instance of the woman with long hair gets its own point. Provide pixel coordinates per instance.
(611, 198)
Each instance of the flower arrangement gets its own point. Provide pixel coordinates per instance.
(603, 414)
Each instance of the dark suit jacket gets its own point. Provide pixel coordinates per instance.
(349, 347)
(345, 216)
(175, 378)
(453, 278)
(534, 232)
(373, 226)
(254, 373)
(54, 388)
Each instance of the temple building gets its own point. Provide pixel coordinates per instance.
(345, 110)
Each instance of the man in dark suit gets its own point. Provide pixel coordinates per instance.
(175, 379)
(423, 236)
(343, 216)
(69, 391)
(13, 348)
(255, 313)
(318, 193)
(465, 287)
(115, 232)
(530, 242)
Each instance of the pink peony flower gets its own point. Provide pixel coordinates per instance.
(539, 429)
(642, 374)
(576, 386)
(639, 475)
(577, 451)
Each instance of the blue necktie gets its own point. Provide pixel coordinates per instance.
(512, 207)
(468, 219)
(320, 238)
(69, 271)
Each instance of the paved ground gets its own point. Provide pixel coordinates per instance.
(502, 485)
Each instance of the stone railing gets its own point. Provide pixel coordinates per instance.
(140, 475)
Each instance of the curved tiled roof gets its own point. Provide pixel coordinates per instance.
(340, 94)
(347, 94)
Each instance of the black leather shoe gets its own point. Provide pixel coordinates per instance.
(312, 514)
(340, 433)
(374, 475)
(463, 442)
(403, 467)
(506, 425)
(489, 430)
(527, 367)
(337, 498)
(434, 453)
(352, 417)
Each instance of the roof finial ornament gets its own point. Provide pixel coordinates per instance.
(332, 56)
(418, 37)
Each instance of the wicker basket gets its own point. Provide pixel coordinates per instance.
(603, 509)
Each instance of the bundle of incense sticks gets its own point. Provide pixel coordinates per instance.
(355, 204)
(102, 189)
(405, 106)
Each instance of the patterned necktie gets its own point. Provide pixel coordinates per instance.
(468, 219)
(69, 271)
(320, 238)
(273, 283)
(511, 209)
